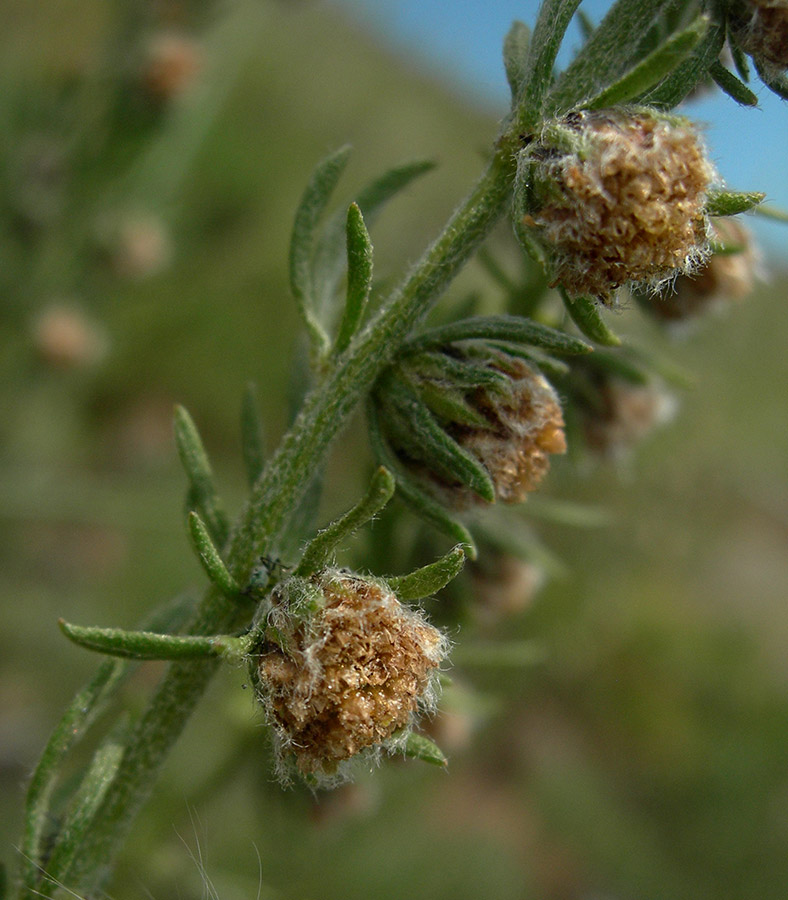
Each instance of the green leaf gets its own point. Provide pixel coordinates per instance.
(515, 58)
(461, 373)
(586, 313)
(430, 579)
(83, 710)
(777, 82)
(417, 746)
(359, 278)
(731, 203)
(686, 77)
(84, 803)
(501, 328)
(650, 71)
(302, 244)
(330, 255)
(319, 551)
(726, 81)
(252, 435)
(209, 557)
(604, 57)
(416, 427)
(202, 493)
(554, 18)
(150, 644)
(549, 366)
(413, 493)
(450, 405)
(586, 23)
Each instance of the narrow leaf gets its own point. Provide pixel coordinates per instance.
(771, 212)
(252, 435)
(209, 557)
(147, 644)
(554, 18)
(726, 81)
(450, 405)
(604, 57)
(777, 82)
(686, 77)
(502, 328)
(84, 804)
(651, 70)
(359, 278)
(413, 493)
(515, 58)
(418, 427)
(330, 256)
(586, 23)
(586, 313)
(202, 492)
(430, 579)
(83, 710)
(731, 203)
(303, 241)
(417, 746)
(319, 551)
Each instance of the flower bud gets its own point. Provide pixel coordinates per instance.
(625, 414)
(761, 29)
(485, 406)
(728, 275)
(617, 196)
(345, 668)
(65, 338)
(172, 62)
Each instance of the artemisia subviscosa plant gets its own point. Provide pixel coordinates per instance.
(610, 193)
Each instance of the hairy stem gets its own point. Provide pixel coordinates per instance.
(283, 482)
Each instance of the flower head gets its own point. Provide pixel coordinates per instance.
(499, 418)
(761, 29)
(617, 196)
(345, 669)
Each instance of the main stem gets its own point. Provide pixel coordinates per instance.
(281, 485)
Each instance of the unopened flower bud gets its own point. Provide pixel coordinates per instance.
(729, 275)
(171, 64)
(345, 668)
(626, 414)
(761, 29)
(617, 196)
(491, 407)
(138, 245)
(65, 338)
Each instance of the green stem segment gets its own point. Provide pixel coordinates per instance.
(264, 521)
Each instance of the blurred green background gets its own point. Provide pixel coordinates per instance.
(146, 205)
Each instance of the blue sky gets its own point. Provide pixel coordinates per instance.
(461, 41)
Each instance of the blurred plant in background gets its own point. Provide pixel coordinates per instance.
(605, 737)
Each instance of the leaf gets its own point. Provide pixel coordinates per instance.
(650, 71)
(551, 24)
(319, 551)
(359, 278)
(586, 313)
(84, 803)
(302, 243)
(147, 644)
(209, 557)
(686, 77)
(252, 435)
(731, 203)
(515, 58)
(202, 493)
(413, 493)
(726, 81)
(430, 579)
(604, 58)
(771, 212)
(777, 82)
(330, 255)
(417, 746)
(414, 425)
(503, 328)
